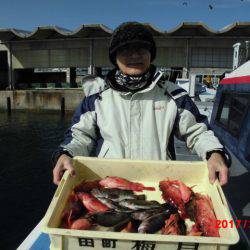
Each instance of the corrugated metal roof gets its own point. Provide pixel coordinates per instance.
(100, 30)
(234, 29)
(192, 29)
(54, 32)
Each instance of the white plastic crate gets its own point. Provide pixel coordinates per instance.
(149, 173)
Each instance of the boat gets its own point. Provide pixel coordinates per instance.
(183, 83)
(230, 121)
(207, 95)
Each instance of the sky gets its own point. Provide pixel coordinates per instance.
(162, 14)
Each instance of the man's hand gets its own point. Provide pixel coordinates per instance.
(64, 163)
(216, 164)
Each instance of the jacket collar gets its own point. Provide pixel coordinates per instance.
(110, 81)
(155, 80)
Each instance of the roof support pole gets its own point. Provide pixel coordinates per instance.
(247, 50)
(91, 61)
(236, 55)
(72, 75)
(192, 85)
(10, 69)
(187, 56)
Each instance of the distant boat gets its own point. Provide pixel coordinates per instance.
(183, 83)
(207, 95)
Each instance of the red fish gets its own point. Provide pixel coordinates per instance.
(195, 230)
(86, 186)
(73, 211)
(129, 228)
(116, 182)
(204, 215)
(81, 224)
(174, 225)
(91, 203)
(177, 193)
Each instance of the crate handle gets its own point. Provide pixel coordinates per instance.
(222, 197)
(59, 188)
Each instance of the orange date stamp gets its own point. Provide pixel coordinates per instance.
(231, 224)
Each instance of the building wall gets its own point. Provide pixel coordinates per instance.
(200, 56)
(100, 53)
(171, 52)
(208, 71)
(51, 54)
(195, 52)
(211, 53)
(203, 53)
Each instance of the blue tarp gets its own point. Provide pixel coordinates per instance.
(42, 243)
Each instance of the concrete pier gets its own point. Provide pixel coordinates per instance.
(41, 99)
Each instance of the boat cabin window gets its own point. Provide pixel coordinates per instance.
(232, 110)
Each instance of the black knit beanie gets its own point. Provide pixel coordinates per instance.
(131, 33)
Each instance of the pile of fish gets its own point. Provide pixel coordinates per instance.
(112, 203)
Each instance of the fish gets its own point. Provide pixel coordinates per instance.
(144, 214)
(109, 203)
(154, 223)
(86, 186)
(189, 208)
(121, 183)
(205, 219)
(73, 211)
(118, 227)
(116, 194)
(129, 228)
(91, 203)
(109, 218)
(113, 205)
(195, 231)
(174, 225)
(81, 224)
(177, 193)
(139, 204)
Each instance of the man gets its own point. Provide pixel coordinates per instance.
(134, 114)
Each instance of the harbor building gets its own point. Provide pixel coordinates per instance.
(58, 59)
